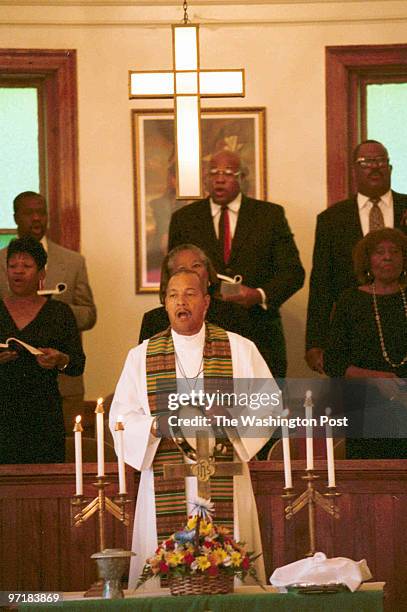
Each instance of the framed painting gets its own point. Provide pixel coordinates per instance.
(241, 130)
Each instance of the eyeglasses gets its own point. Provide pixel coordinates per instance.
(227, 173)
(370, 162)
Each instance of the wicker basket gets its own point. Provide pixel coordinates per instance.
(201, 585)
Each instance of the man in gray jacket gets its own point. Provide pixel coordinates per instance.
(64, 266)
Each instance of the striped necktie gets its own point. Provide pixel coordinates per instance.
(376, 219)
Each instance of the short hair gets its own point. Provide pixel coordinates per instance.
(364, 249)
(31, 246)
(355, 153)
(26, 194)
(167, 272)
(203, 285)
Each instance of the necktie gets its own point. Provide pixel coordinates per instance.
(376, 220)
(225, 239)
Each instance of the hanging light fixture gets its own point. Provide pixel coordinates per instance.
(187, 83)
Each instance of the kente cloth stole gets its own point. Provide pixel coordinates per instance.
(171, 510)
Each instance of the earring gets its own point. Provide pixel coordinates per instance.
(369, 276)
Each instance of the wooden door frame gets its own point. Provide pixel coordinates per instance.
(347, 67)
(57, 69)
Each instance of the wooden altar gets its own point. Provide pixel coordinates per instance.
(372, 525)
(39, 550)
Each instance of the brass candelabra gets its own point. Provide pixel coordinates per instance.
(311, 498)
(83, 508)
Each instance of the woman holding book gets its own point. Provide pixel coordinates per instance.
(32, 429)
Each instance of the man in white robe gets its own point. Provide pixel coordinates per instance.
(186, 303)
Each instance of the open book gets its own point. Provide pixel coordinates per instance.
(14, 344)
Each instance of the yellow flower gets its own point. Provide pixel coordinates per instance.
(205, 528)
(202, 562)
(174, 558)
(236, 558)
(191, 522)
(217, 556)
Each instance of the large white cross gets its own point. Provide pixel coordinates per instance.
(187, 83)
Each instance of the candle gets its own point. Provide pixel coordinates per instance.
(286, 452)
(100, 437)
(78, 455)
(120, 455)
(308, 430)
(330, 451)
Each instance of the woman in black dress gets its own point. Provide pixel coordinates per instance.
(368, 343)
(32, 427)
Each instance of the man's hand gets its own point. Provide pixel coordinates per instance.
(315, 359)
(247, 297)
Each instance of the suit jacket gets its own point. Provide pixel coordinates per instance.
(263, 252)
(338, 230)
(64, 266)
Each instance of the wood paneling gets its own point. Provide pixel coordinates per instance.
(372, 525)
(39, 550)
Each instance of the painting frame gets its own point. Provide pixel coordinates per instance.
(241, 129)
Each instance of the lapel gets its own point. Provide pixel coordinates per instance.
(205, 228)
(350, 222)
(56, 268)
(244, 227)
(400, 211)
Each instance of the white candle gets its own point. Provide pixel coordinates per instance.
(286, 452)
(120, 455)
(78, 455)
(308, 430)
(330, 451)
(100, 437)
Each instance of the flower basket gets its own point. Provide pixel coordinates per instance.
(200, 559)
(200, 585)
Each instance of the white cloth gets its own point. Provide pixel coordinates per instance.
(320, 570)
(131, 402)
(365, 205)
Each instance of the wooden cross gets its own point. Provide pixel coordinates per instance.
(186, 83)
(204, 468)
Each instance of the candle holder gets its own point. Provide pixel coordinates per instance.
(82, 508)
(311, 498)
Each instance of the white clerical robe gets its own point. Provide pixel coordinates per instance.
(131, 402)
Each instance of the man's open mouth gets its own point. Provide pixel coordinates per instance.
(183, 314)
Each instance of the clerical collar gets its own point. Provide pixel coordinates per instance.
(234, 205)
(386, 198)
(195, 338)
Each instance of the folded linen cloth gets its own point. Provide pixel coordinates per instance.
(320, 570)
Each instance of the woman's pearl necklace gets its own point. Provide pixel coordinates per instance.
(380, 329)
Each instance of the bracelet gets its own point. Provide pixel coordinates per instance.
(61, 369)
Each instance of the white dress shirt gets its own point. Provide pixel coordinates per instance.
(365, 205)
(233, 206)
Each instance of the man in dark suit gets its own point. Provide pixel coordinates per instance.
(338, 230)
(250, 238)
